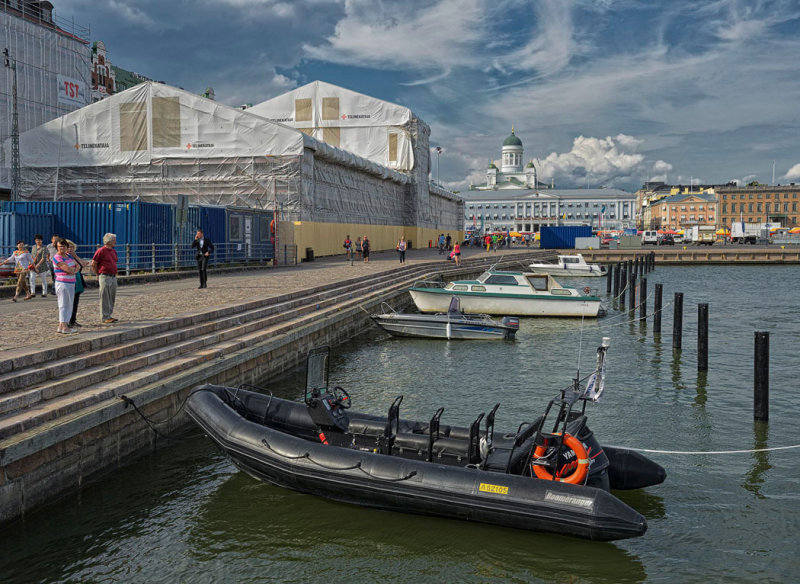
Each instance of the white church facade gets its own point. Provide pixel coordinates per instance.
(512, 199)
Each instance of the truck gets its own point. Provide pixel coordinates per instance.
(700, 234)
(751, 233)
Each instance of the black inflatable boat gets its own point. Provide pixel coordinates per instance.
(549, 475)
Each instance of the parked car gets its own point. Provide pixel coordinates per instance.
(666, 239)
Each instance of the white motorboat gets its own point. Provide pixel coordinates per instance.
(569, 265)
(452, 324)
(512, 293)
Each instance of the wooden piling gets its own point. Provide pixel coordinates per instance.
(761, 377)
(643, 299)
(702, 337)
(657, 309)
(609, 276)
(623, 286)
(677, 321)
(632, 281)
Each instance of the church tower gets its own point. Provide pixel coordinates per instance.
(512, 155)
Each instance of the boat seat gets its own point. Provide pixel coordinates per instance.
(462, 450)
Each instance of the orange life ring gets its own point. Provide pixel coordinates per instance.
(580, 464)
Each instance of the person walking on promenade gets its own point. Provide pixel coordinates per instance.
(51, 253)
(40, 268)
(104, 264)
(23, 261)
(80, 284)
(487, 240)
(447, 241)
(359, 248)
(401, 249)
(65, 268)
(365, 249)
(348, 248)
(204, 249)
(441, 243)
(457, 253)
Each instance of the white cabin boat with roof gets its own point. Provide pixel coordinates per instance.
(508, 293)
(569, 265)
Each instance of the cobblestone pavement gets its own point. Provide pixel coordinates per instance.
(32, 323)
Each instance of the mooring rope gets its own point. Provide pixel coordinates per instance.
(748, 451)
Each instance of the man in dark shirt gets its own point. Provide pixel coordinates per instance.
(104, 264)
(204, 249)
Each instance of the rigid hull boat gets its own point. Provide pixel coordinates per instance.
(569, 265)
(453, 324)
(553, 479)
(510, 293)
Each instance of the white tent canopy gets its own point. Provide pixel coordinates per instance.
(360, 124)
(154, 121)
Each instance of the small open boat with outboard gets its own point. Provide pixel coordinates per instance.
(502, 292)
(569, 265)
(453, 324)
(550, 474)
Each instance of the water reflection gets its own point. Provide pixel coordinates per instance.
(761, 465)
(270, 528)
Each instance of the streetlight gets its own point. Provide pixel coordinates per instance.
(11, 63)
(438, 152)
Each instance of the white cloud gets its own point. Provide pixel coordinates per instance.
(661, 166)
(597, 160)
(419, 38)
(793, 173)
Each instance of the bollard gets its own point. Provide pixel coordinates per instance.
(153, 258)
(609, 275)
(761, 377)
(643, 299)
(127, 259)
(657, 310)
(677, 321)
(623, 282)
(702, 337)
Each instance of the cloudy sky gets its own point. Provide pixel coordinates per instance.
(601, 92)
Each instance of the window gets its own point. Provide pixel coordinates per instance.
(538, 282)
(750, 206)
(758, 207)
(460, 287)
(479, 288)
(501, 280)
(733, 207)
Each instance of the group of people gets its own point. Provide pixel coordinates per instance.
(361, 248)
(61, 261)
(445, 243)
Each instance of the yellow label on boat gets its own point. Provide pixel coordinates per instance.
(499, 489)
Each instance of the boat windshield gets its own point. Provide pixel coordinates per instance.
(538, 282)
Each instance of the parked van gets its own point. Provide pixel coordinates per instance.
(650, 237)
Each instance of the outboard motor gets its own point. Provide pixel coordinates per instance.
(512, 322)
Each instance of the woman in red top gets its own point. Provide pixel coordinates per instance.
(457, 253)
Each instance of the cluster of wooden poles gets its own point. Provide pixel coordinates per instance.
(628, 279)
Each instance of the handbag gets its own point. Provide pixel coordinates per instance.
(80, 284)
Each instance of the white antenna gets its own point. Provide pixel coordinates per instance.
(773, 173)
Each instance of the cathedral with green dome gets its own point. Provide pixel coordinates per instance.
(511, 174)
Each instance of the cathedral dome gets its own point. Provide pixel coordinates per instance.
(512, 140)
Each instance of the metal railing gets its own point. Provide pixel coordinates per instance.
(166, 257)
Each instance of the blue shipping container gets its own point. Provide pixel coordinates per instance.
(212, 221)
(16, 226)
(563, 236)
(137, 223)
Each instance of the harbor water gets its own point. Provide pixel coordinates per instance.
(729, 510)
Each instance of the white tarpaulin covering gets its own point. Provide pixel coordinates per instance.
(366, 126)
(154, 121)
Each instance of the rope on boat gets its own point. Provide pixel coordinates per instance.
(353, 467)
(708, 451)
(152, 424)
